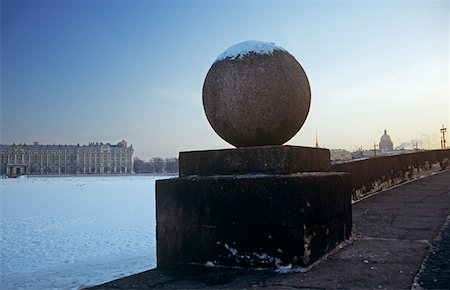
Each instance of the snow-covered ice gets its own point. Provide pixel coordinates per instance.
(241, 49)
(70, 232)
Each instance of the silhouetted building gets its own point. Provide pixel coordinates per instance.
(95, 158)
(337, 155)
(386, 144)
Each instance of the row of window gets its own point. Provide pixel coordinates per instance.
(56, 158)
(64, 170)
(62, 161)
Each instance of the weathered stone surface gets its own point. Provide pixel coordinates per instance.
(376, 259)
(254, 221)
(259, 159)
(388, 171)
(257, 99)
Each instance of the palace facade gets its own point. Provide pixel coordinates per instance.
(95, 158)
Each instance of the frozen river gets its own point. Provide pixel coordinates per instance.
(70, 232)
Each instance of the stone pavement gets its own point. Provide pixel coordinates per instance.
(435, 271)
(394, 231)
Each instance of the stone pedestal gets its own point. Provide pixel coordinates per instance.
(262, 159)
(253, 218)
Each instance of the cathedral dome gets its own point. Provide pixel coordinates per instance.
(386, 143)
(385, 137)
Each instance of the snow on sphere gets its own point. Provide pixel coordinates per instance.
(244, 48)
(256, 94)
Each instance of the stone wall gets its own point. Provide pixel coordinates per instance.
(374, 174)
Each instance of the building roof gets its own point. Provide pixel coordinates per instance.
(385, 138)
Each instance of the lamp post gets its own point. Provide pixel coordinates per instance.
(443, 130)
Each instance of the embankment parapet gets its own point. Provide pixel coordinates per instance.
(375, 174)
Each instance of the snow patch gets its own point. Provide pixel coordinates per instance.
(232, 251)
(209, 264)
(69, 232)
(261, 259)
(290, 269)
(242, 49)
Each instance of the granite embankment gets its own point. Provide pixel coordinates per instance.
(394, 232)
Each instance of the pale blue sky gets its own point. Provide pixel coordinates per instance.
(101, 71)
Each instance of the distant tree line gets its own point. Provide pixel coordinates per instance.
(156, 165)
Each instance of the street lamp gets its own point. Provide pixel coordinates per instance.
(443, 130)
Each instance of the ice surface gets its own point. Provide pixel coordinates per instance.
(68, 232)
(244, 48)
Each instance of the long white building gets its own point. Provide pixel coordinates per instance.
(95, 158)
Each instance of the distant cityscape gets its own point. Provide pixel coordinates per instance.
(91, 159)
(108, 159)
(384, 148)
(94, 158)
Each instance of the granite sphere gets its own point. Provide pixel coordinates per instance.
(256, 94)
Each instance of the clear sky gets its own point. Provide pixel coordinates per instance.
(106, 70)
